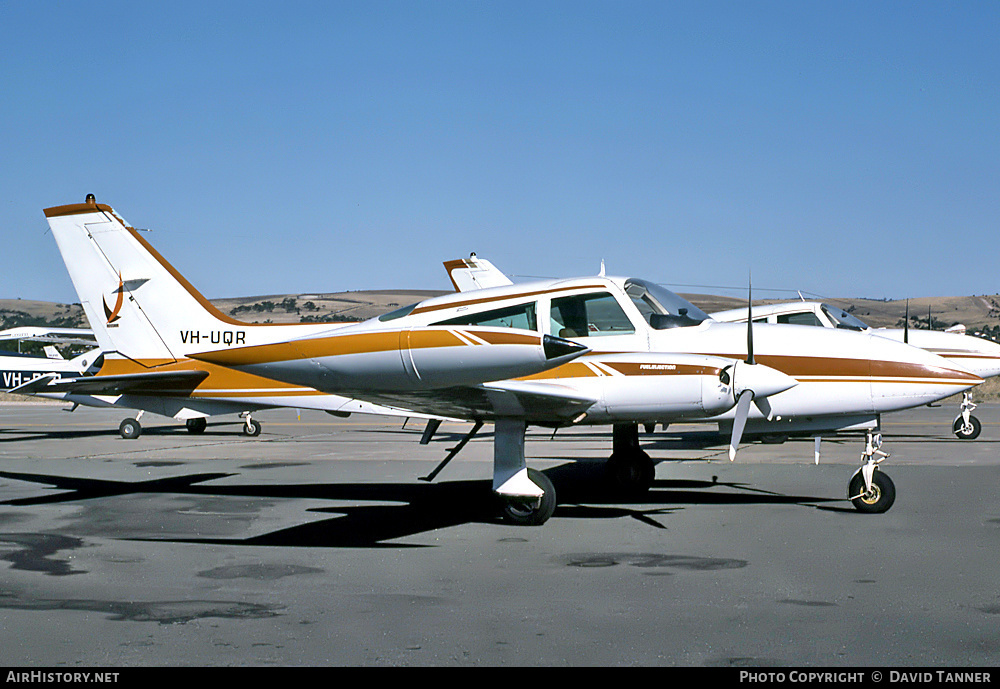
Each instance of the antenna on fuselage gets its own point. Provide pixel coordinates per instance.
(906, 324)
(750, 320)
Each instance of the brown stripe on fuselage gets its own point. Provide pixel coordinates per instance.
(357, 343)
(846, 368)
(573, 369)
(580, 369)
(502, 338)
(660, 369)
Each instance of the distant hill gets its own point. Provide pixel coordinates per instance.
(977, 313)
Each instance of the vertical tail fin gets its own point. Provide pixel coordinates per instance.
(474, 273)
(138, 305)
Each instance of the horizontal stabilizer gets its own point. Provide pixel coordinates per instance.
(154, 382)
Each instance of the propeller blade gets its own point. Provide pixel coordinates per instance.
(764, 406)
(740, 421)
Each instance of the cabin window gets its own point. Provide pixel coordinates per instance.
(589, 315)
(521, 316)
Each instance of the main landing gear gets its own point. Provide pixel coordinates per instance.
(967, 426)
(527, 496)
(870, 489)
(129, 429)
(630, 470)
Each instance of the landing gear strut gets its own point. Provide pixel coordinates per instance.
(967, 426)
(528, 496)
(870, 489)
(630, 470)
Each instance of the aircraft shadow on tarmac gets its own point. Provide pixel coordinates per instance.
(416, 507)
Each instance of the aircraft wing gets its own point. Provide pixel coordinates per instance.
(79, 336)
(541, 403)
(153, 382)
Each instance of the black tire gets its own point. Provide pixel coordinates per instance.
(631, 474)
(774, 438)
(252, 429)
(130, 429)
(527, 512)
(196, 425)
(881, 497)
(958, 428)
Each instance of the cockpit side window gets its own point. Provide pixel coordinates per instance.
(589, 315)
(807, 318)
(398, 313)
(520, 316)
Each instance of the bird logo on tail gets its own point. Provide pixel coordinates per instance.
(113, 314)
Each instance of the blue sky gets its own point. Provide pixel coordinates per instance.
(843, 149)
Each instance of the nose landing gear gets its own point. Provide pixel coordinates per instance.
(967, 426)
(870, 489)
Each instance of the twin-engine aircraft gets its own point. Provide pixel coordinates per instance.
(978, 355)
(597, 350)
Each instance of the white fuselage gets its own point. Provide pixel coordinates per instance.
(975, 354)
(640, 373)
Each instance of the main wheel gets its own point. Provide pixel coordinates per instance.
(879, 499)
(525, 512)
(631, 473)
(129, 429)
(196, 425)
(252, 428)
(967, 433)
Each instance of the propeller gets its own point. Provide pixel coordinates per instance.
(753, 383)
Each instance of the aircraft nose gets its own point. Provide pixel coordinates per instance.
(904, 376)
(557, 347)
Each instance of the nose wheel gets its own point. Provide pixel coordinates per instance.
(967, 426)
(870, 489)
(875, 499)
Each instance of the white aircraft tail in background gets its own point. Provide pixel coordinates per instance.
(474, 273)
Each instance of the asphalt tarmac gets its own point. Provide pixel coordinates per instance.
(316, 544)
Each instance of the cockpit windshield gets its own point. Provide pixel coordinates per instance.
(662, 308)
(842, 319)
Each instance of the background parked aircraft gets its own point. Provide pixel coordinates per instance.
(978, 355)
(17, 369)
